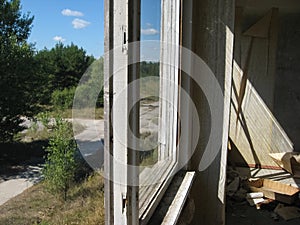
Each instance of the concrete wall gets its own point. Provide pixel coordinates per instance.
(212, 40)
(287, 84)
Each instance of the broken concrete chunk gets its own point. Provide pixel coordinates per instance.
(241, 194)
(287, 212)
(274, 216)
(264, 203)
(233, 186)
(255, 195)
(255, 201)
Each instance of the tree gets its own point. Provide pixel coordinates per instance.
(16, 68)
(63, 99)
(61, 68)
(60, 167)
(89, 93)
(149, 69)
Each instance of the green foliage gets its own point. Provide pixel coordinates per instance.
(61, 67)
(63, 99)
(44, 118)
(12, 22)
(60, 167)
(17, 69)
(27, 78)
(149, 69)
(89, 93)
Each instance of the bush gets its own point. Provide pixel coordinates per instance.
(60, 167)
(63, 99)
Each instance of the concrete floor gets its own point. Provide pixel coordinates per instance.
(243, 214)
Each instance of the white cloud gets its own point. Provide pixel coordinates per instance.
(79, 23)
(59, 39)
(69, 12)
(149, 31)
(149, 25)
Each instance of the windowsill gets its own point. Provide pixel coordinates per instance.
(168, 200)
(172, 202)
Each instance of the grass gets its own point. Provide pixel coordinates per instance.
(81, 113)
(34, 133)
(84, 206)
(150, 159)
(149, 87)
(67, 113)
(85, 203)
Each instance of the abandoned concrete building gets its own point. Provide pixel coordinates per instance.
(226, 94)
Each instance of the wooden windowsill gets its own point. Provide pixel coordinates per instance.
(172, 203)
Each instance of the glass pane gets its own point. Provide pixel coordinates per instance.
(158, 92)
(149, 81)
(149, 97)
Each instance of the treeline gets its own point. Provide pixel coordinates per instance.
(149, 69)
(31, 80)
(60, 69)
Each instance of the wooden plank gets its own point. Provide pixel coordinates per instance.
(274, 190)
(168, 199)
(226, 114)
(257, 133)
(178, 202)
(259, 30)
(133, 33)
(277, 175)
(108, 90)
(119, 120)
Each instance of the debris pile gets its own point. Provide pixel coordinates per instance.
(280, 199)
(236, 187)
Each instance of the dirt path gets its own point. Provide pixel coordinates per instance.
(13, 185)
(21, 176)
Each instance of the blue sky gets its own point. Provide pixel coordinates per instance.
(81, 22)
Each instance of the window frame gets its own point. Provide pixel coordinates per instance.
(168, 151)
(123, 27)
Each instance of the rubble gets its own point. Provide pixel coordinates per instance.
(280, 200)
(255, 201)
(236, 185)
(274, 190)
(287, 212)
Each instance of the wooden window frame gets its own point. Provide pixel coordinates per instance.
(122, 26)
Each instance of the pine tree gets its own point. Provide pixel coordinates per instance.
(16, 68)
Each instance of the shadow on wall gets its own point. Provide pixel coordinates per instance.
(265, 96)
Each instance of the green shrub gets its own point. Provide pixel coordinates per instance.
(44, 118)
(63, 99)
(60, 167)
